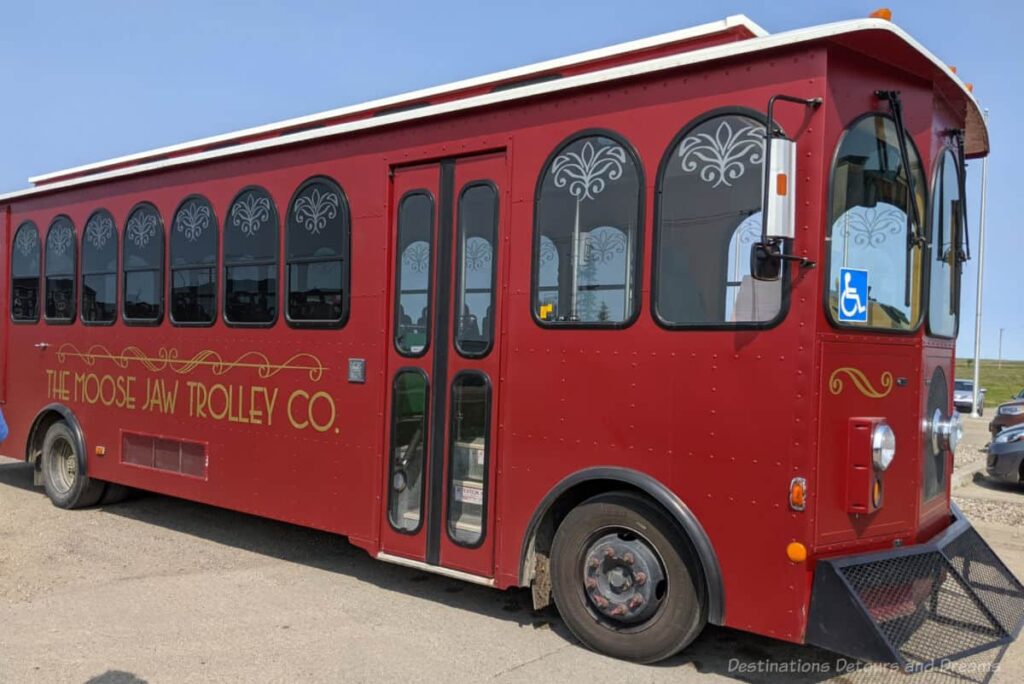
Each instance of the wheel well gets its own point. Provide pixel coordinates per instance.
(535, 567)
(34, 447)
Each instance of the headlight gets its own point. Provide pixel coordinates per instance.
(1009, 436)
(946, 433)
(1013, 410)
(883, 446)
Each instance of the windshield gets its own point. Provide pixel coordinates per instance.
(963, 385)
(875, 267)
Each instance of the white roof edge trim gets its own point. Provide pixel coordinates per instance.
(615, 73)
(710, 28)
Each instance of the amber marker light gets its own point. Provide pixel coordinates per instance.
(876, 494)
(882, 13)
(796, 552)
(101, 451)
(798, 494)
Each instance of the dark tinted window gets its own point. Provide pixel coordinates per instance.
(194, 262)
(408, 448)
(869, 229)
(25, 264)
(415, 241)
(143, 264)
(587, 225)
(99, 269)
(478, 233)
(944, 264)
(250, 259)
(317, 261)
(61, 259)
(709, 215)
(470, 428)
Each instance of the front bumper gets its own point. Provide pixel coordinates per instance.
(1004, 461)
(917, 606)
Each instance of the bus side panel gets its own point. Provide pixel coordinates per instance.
(687, 407)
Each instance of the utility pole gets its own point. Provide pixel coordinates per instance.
(1001, 347)
(981, 277)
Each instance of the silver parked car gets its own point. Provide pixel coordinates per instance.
(1006, 454)
(963, 397)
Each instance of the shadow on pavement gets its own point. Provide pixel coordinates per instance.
(719, 650)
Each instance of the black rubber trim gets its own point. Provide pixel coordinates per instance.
(660, 493)
(439, 393)
(72, 421)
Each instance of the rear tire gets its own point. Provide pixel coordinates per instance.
(626, 581)
(114, 494)
(65, 483)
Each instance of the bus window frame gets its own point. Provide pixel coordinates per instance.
(83, 273)
(346, 258)
(459, 290)
(75, 273)
(937, 164)
(194, 267)
(637, 257)
(162, 234)
(785, 277)
(826, 247)
(39, 277)
(224, 265)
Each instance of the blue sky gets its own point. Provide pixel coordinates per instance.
(84, 81)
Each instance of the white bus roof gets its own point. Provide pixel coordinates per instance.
(751, 39)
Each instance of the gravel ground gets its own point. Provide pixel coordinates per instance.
(992, 511)
(975, 439)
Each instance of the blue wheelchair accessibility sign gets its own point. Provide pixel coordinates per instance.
(853, 295)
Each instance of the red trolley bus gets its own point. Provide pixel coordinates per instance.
(664, 331)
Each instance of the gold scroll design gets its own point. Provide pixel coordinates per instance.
(860, 382)
(167, 358)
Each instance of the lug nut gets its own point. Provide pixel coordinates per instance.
(641, 578)
(628, 558)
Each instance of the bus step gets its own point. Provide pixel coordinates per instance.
(918, 607)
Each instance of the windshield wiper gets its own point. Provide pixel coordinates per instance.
(914, 236)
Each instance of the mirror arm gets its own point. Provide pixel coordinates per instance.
(769, 133)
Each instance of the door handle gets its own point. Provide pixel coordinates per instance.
(41, 345)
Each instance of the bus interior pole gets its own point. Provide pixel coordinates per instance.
(981, 278)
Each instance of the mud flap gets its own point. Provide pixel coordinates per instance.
(919, 606)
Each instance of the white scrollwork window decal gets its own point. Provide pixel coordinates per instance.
(416, 256)
(60, 238)
(587, 172)
(870, 226)
(141, 228)
(315, 208)
(250, 212)
(601, 245)
(192, 220)
(99, 230)
(27, 241)
(724, 156)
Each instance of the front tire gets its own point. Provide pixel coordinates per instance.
(65, 483)
(626, 580)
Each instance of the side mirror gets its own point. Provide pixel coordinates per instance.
(765, 261)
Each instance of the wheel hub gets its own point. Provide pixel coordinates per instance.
(621, 575)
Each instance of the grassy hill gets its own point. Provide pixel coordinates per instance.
(1001, 383)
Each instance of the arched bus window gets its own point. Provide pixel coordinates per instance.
(874, 276)
(60, 263)
(587, 234)
(25, 269)
(143, 263)
(708, 216)
(99, 269)
(317, 264)
(250, 259)
(943, 266)
(193, 262)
